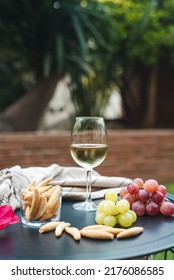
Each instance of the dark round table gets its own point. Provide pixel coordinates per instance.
(18, 242)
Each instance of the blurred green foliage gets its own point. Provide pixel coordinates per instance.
(91, 41)
(43, 38)
(170, 187)
(161, 255)
(144, 30)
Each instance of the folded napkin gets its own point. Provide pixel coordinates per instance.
(72, 180)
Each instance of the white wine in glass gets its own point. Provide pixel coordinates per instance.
(88, 148)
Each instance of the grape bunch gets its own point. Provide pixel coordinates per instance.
(111, 211)
(147, 198)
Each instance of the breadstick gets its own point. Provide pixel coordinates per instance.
(48, 193)
(49, 213)
(27, 199)
(25, 192)
(54, 198)
(24, 203)
(75, 232)
(44, 189)
(96, 234)
(130, 232)
(31, 186)
(27, 195)
(43, 183)
(49, 226)
(55, 208)
(112, 230)
(46, 216)
(60, 228)
(35, 203)
(27, 213)
(94, 227)
(42, 208)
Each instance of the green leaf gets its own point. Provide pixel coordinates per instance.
(47, 65)
(142, 23)
(60, 53)
(93, 29)
(80, 34)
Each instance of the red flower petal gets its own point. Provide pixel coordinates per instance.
(7, 216)
(5, 210)
(15, 220)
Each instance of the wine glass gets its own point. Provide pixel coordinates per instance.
(88, 148)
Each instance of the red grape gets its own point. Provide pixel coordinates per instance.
(132, 188)
(152, 208)
(143, 195)
(157, 197)
(151, 185)
(138, 207)
(123, 191)
(162, 189)
(130, 198)
(167, 208)
(147, 197)
(139, 182)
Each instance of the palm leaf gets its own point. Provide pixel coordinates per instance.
(47, 65)
(80, 35)
(93, 29)
(142, 23)
(60, 52)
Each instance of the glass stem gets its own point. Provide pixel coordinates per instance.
(88, 185)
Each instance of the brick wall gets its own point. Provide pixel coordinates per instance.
(132, 153)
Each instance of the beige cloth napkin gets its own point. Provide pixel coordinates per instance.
(72, 180)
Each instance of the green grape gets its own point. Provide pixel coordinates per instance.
(115, 212)
(116, 219)
(100, 206)
(125, 220)
(111, 195)
(107, 207)
(110, 221)
(126, 202)
(99, 218)
(134, 215)
(122, 206)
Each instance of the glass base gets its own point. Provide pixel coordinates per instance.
(85, 206)
(37, 224)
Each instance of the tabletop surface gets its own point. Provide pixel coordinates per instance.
(19, 242)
